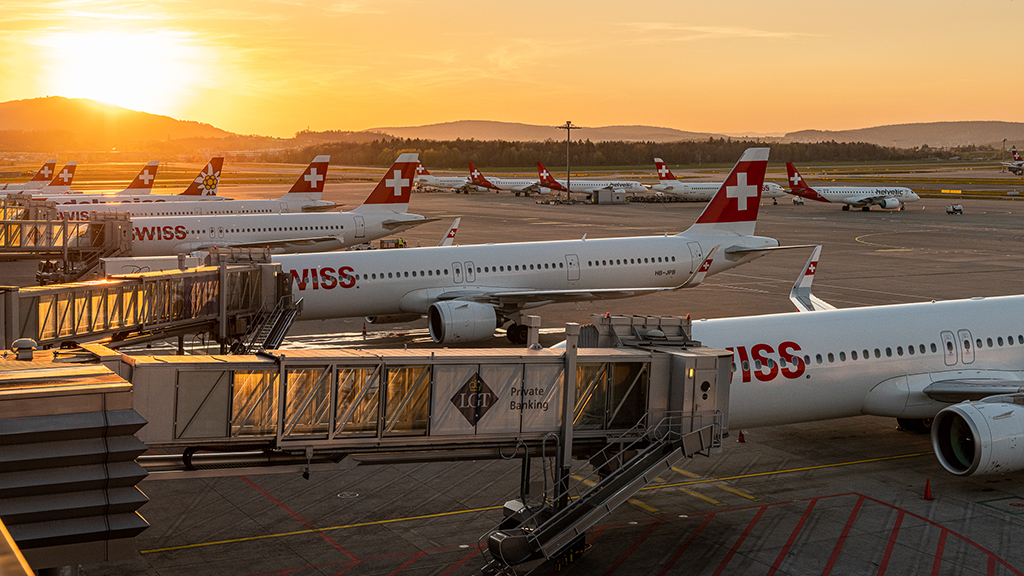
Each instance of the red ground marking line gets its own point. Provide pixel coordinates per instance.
(991, 566)
(792, 538)
(615, 565)
(892, 543)
(305, 522)
(941, 527)
(937, 565)
(596, 532)
(347, 568)
(842, 537)
(459, 564)
(682, 549)
(736, 546)
(408, 563)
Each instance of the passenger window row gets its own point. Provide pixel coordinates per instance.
(479, 270)
(272, 229)
(622, 261)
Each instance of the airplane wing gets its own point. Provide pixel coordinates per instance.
(401, 223)
(959, 390)
(271, 244)
(498, 297)
(801, 295)
(739, 250)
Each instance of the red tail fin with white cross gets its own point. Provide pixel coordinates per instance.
(664, 174)
(313, 178)
(799, 187)
(547, 181)
(1016, 155)
(478, 179)
(63, 178)
(206, 183)
(733, 210)
(143, 183)
(44, 175)
(393, 191)
(421, 170)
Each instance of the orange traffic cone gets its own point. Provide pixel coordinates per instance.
(927, 489)
(740, 439)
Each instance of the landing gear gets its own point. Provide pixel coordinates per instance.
(775, 201)
(846, 207)
(903, 207)
(517, 193)
(517, 333)
(866, 209)
(915, 425)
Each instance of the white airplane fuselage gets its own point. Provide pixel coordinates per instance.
(442, 181)
(383, 282)
(591, 186)
(861, 196)
(832, 378)
(147, 208)
(283, 233)
(516, 184)
(707, 190)
(77, 198)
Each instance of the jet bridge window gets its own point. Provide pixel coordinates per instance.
(406, 404)
(358, 393)
(610, 395)
(254, 403)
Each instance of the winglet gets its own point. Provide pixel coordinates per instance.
(698, 275)
(206, 183)
(478, 179)
(664, 174)
(393, 191)
(547, 181)
(450, 236)
(63, 178)
(734, 207)
(801, 295)
(313, 178)
(143, 182)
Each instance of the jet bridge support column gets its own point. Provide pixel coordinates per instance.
(572, 335)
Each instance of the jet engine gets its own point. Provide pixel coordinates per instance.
(890, 204)
(392, 318)
(455, 321)
(984, 437)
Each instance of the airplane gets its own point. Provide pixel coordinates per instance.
(62, 180)
(382, 213)
(449, 237)
(1017, 166)
(586, 186)
(516, 185)
(138, 188)
(41, 178)
(304, 196)
(702, 190)
(469, 291)
(425, 178)
(863, 197)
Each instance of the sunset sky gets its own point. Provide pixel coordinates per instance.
(274, 67)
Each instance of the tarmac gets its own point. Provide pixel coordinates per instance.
(835, 497)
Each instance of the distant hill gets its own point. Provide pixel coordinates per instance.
(91, 124)
(511, 131)
(935, 134)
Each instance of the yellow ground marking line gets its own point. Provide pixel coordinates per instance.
(489, 508)
(685, 472)
(696, 494)
(738, 492)
(885, 247)
(632, 501)
(789, 471)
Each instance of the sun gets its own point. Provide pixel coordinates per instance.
(150, 71)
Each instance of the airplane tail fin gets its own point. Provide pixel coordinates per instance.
(799, 187)
(143, 182)
(801, 295)
(449, 238)
(43, 176)
(312, 180)
(421, 170)
(206, 183)
(1016, 155)
(546, 179)
(733, 210)
(63, 178)
(664, 174)
(478, 179)
(393, 191)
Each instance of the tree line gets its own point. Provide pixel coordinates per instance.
(455, 154)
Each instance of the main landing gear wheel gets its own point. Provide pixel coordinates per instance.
(516, 333)
(915, 425)
(775, 201)
(847, 207)
(903, 207)
(866, 209)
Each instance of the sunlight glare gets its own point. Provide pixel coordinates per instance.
(153, 72)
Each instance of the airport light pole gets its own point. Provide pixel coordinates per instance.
(568, 127)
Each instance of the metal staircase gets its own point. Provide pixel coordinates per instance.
(269, 327)
(556, 528)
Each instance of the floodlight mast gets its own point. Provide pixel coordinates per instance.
(568, 127)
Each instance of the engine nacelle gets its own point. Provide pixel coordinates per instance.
(453, 322)
(984, 437)
(392, 318)
(890, 204)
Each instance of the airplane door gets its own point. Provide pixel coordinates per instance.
(284, 208)
(696, 255)
(220, 232)
(964, 339)
(360, 227)
(212, 233)
(457, 272)
(572, 261)
(470, 273)
(949, 347)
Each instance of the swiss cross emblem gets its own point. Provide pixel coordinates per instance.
(795, 179)
(146, 177)
(544, 175)
(741, 191)
(475, 174)
(811, 268)
(474, 399)
(396, 183)
(420, 169)
(663, 171)
(313, 178)
(45, 171)
(705, 266)
(65, 176)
